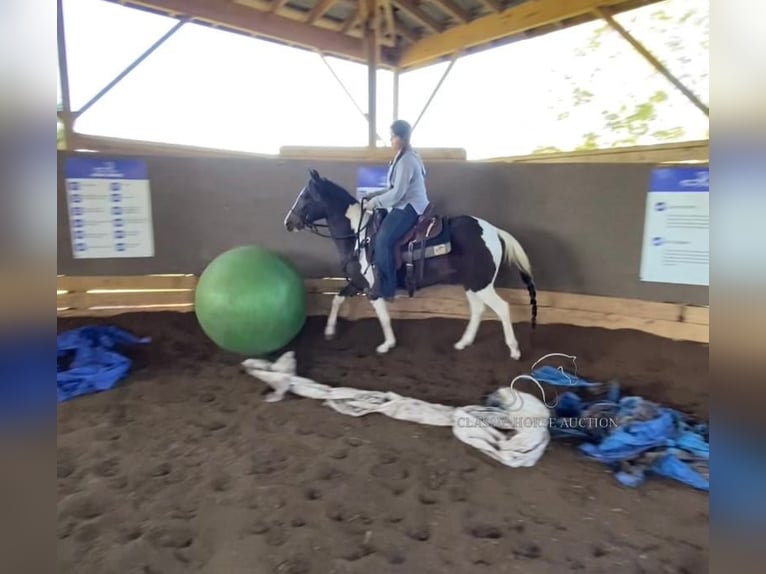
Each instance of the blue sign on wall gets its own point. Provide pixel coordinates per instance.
(371, 178)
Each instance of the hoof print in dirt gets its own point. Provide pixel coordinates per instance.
(276, 535)
(419, 532)
(83, 506)
(171, 536)
(428, 498)
(488, 531)
(295, 565)
(531, 551)
(221, 483)
(458, 494)
(313, 494)
(354, 441)
(258, 527)
(329, 473)
(267, 461)
(160, 470)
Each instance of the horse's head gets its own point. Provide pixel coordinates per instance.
(319, 199)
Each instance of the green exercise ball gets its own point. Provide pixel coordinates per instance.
(251, 301)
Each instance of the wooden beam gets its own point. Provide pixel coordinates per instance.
(97, 296)
(492, 5)
(435, 91)
(515, 20)
(402, 29)
(132, 66)
(677, 152)
(262, 25)
(276, 5)
(350, 22)
(319, 10)
(388, 14)
(414, 10)
(649, 57)
(449, 7)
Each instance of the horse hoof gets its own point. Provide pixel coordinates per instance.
(515, 355)
(460, 345)
(383, 348)
(329, 335)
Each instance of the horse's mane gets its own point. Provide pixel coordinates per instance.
(334, 192)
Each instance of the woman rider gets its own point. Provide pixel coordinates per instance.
(405, 199)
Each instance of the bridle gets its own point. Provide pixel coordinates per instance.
(313, 227)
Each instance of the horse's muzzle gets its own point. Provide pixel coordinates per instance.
(293, 223)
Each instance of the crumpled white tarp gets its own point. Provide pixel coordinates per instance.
(484, 428)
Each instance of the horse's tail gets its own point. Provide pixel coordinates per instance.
(514, 253)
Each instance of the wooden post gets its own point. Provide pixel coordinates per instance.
(66, 114)
(396, 93)
(371, 27)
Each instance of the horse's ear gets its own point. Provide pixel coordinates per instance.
(314, 174)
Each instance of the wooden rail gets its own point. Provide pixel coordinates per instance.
(112, 295)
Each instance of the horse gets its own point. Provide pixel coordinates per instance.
(458, 250)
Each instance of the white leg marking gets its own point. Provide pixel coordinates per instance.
(385, 322)
(332, 319)
(502, 310)
(476, 306)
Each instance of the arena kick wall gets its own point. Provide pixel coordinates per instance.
(581, 224)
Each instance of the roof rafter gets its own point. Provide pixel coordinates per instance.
(261, 24)
(319, 10)
(492, 5)
(512, 21)
(451, 8)
(414, 10)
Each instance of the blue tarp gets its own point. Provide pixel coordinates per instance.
(630, 434)
(90, 361)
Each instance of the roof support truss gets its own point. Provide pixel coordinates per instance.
(262, 25)
(132, 66)
(649, 57)
(515, 20)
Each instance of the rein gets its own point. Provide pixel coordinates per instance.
(314, 228)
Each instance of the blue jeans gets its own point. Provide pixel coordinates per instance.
(395, 225)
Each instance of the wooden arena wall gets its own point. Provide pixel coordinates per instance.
(581, 224)
(94, 296)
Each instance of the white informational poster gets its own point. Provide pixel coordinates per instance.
(676, 246)
(110, 208)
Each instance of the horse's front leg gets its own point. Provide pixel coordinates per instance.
(337, 302)
(381, 310)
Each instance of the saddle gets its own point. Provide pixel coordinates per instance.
(428, 238)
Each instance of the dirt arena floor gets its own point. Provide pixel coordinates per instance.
(184, 467)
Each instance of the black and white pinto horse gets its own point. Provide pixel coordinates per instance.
(477, 250)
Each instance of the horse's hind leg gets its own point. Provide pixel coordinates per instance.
(503, 311)
(476, 306)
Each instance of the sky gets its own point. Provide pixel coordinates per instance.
(211, 88)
